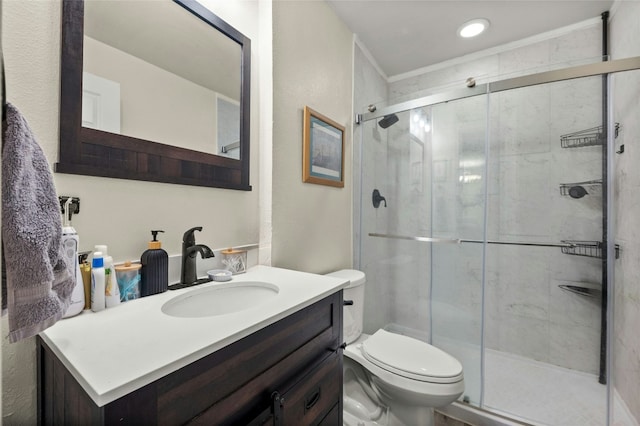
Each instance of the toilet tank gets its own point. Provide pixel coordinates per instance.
(353, 314)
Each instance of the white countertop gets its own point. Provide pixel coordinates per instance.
(116, 351)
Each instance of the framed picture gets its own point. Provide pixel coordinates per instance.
(323, 150)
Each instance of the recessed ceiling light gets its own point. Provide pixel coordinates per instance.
(473, 28)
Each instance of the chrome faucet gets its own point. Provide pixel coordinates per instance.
(190, 251)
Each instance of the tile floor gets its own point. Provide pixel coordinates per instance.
(544, 394)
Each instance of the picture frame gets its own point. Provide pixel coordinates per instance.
(323, 150)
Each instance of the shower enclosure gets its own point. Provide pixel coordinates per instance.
(491, 241)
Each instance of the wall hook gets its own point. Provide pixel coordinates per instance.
(376, 198)
(69, 205)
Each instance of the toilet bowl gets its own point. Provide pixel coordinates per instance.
(391, 379)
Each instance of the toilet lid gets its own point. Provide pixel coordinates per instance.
(411, 358)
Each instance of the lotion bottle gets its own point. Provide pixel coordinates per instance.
(85, 271)
(111, 289)
(97, 283)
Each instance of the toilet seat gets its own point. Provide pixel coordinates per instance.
(411, 358)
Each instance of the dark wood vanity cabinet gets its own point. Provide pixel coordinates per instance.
(288, 373)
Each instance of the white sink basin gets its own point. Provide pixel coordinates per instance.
(220, 299)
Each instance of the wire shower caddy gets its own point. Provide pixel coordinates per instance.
(587, 137)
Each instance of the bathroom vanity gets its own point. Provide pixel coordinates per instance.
(279, 362)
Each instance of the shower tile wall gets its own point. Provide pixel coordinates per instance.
(369, 88)
(526, 313)
(404, 270)
(397, 272)
(458, 193)
(625, 32)
(392, 295)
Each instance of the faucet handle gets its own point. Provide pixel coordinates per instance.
(188, 236)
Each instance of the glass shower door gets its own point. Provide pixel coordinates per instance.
(397, 270)
(458, 182)
(429, 166)
(543, 303)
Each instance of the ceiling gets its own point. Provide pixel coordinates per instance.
(404, 36)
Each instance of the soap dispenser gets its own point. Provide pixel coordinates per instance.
(155, 268)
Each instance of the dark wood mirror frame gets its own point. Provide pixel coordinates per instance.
(86, 151)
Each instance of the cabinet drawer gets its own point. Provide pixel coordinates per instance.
(333, 418)
(310, 400)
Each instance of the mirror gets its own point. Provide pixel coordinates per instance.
(164, 97)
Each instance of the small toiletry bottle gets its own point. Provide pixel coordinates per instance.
(97, 282)
(155, 268)
(85, 271)
(111, 289)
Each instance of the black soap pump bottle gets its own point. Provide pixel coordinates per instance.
(155, 268)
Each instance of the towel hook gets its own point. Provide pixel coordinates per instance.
(69, 205)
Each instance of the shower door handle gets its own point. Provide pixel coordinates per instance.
(413, 238)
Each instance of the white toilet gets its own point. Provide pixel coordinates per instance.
(391, 379)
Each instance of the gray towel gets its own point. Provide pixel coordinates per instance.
(39, 284)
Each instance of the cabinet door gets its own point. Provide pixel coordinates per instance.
(315, 396)
(241, 378)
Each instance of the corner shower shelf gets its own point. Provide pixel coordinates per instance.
(586, 248)
(587, 137)
(580, 189)
(583, 290)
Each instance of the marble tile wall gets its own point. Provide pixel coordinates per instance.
(526, 205)
(397, 271)
(397, 290)
(625, 32)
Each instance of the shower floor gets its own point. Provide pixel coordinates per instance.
(544, 394)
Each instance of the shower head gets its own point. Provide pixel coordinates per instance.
(388, 120)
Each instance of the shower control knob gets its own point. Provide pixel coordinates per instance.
(376, 198)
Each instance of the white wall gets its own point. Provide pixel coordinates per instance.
(266, 130)
(312, 52)
(116, 212)
(185, 122)
(625, 32)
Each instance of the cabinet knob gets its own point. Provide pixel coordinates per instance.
(342, 346)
